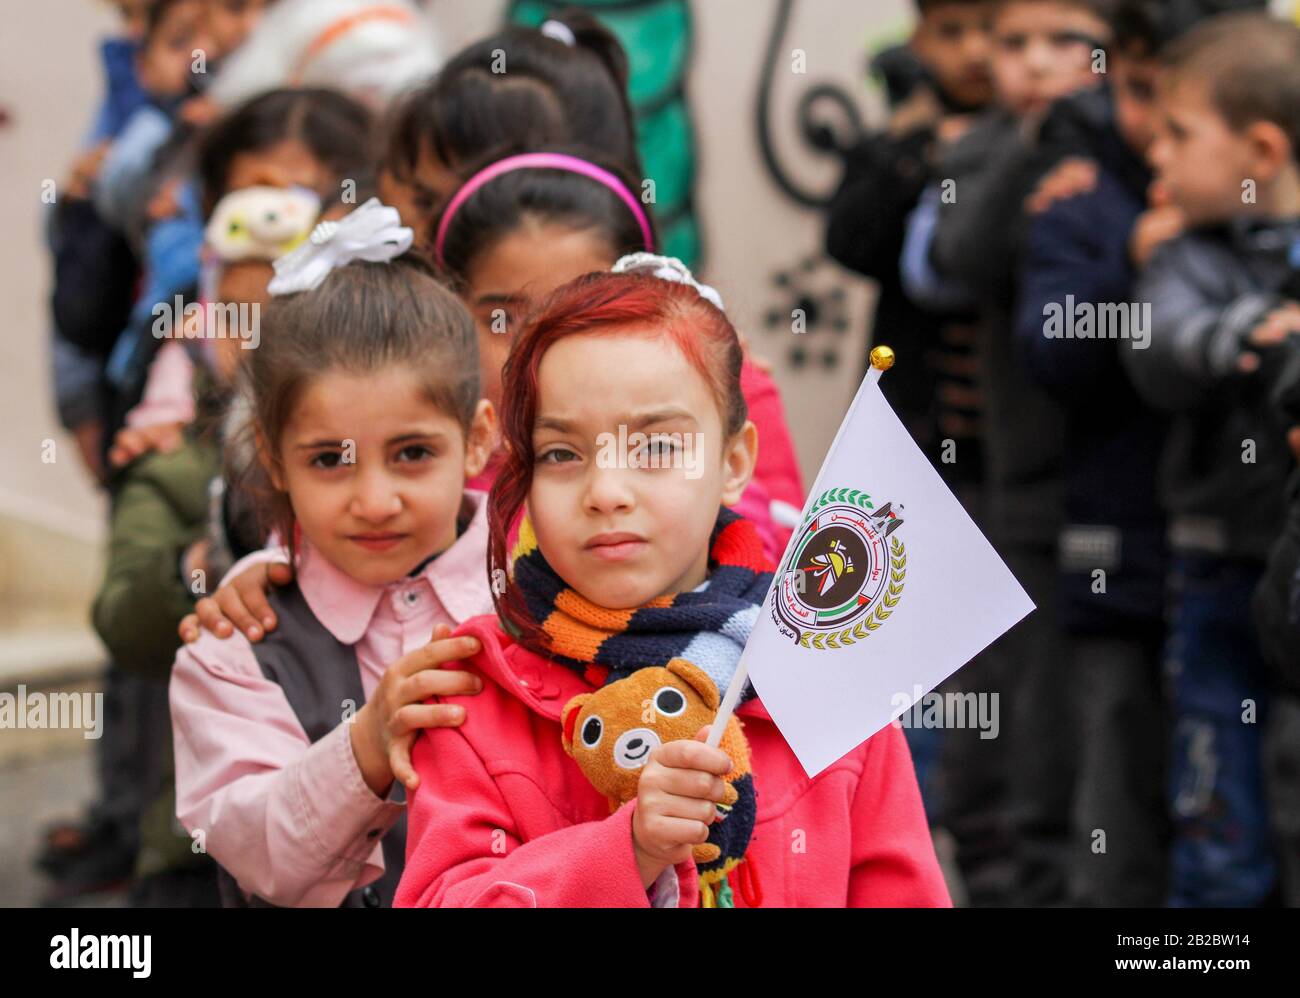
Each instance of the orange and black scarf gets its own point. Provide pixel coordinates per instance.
(707, 626)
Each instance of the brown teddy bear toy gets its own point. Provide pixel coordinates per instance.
(610, 734)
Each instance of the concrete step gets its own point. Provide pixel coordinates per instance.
(49, 563)
(50, 568)
(49, 652)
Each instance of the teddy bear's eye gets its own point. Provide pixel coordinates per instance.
(591, 732)
(669, 701)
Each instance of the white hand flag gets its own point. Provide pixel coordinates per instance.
(886, 588)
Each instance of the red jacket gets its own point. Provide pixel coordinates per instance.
(504, 818)
(778, 468)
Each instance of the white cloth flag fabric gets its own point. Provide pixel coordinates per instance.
(886, 588)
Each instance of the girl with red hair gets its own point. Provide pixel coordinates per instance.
(626, 437)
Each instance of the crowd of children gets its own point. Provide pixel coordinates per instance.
(1084, 214)
(365, 554)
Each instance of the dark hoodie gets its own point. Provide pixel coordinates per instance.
(1112, 441)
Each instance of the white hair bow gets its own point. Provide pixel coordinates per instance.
(667, 268)
(373, 232)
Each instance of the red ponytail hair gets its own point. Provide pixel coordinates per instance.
(594, 304)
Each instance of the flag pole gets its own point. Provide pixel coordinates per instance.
(882, 359)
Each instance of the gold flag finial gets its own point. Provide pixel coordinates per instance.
(882, 358)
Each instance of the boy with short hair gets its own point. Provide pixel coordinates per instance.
(1225, 150)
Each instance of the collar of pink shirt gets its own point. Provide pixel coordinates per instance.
(458, 576)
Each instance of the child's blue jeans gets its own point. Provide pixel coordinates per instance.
(1222, 852)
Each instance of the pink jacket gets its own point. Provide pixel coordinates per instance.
(292, 821)
(778, 466)
(774, 498)
(504, 818)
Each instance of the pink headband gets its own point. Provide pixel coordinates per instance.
(541, 161)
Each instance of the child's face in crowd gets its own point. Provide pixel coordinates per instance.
(1197, 156)
(953, 43)
(375, 471)
(523, 267)
(229, 22)
(286, 164)
(163, 65)
(622, 536)
(1135, 83)
(419, 197)
(1043, 50)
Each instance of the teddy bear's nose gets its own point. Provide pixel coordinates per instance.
(634, 744)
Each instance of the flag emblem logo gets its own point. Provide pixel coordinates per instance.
(844, 572)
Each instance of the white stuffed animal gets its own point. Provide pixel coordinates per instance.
(261, 223)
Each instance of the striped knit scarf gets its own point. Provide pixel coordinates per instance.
(707, 626)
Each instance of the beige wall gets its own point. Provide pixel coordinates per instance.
(49, 84)
(50, 81)
(751, 227)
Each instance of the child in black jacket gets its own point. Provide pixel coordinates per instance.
(935, 84)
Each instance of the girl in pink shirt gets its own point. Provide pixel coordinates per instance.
(292, 755)
(621, 565)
